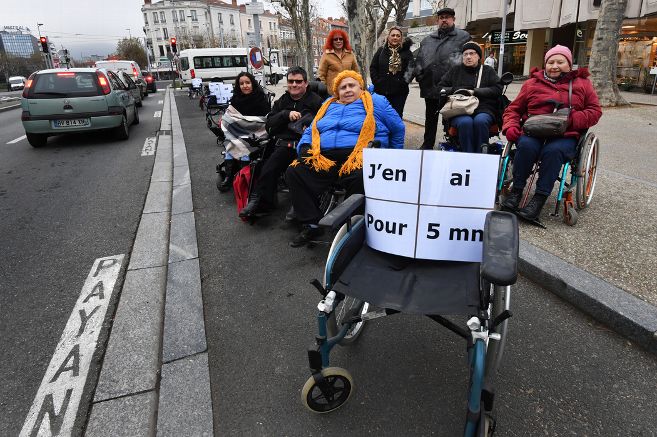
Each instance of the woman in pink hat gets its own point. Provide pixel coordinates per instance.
(550, 83)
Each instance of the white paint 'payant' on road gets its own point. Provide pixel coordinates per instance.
(149, 146)
(56, 403)
(157, 114)
(17, 140)
(159, 102)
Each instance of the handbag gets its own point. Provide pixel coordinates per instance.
(549, 125)
(459, 104)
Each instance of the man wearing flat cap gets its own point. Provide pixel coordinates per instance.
(438, 52)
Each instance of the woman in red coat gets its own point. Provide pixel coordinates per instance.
(551, 83)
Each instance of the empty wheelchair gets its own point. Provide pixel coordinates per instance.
(361, 284)
(576, 180)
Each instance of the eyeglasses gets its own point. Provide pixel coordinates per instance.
(297, 81)
(338, 39)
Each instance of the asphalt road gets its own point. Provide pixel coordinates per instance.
(563, 374)
(61, 207)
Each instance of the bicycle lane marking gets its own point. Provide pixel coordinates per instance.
(56, 403)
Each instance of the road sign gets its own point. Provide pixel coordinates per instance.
(255, 8)
(255, 58)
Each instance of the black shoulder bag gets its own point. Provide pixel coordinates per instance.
(550, 125)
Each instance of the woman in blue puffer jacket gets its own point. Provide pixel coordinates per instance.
(331, 148)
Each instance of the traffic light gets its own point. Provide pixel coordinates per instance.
(44, 44)
(174, 49)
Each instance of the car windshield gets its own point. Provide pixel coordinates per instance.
(65, 84)
(15, 80)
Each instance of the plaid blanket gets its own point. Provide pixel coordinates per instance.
(237, 128)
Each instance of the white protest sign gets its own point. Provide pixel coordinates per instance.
(454, 234)
(390, 226)
(392, 174)
(428, 204)
(459, 179)
(221, 91)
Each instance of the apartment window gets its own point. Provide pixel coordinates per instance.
(166, 33)
(270, 26)
(174, 16)
(161, 50)
(155, 19)
(232, 21)
(221, 18)
(181, 14)
(145, 18)
(250, 24)
(194, 18)
(163, 18)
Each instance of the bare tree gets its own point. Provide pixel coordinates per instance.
(300, 13)
(604, 52)
(401, 8)
(367, 21)
(131, 48)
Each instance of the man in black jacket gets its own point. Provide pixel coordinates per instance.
(438, 52)
(289, 116)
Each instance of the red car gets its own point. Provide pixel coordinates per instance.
(150, 82)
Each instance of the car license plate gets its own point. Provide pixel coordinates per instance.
(73, 122)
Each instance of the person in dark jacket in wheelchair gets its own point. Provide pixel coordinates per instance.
(289, 116)
(542, 87)
(473, 130)
(391, 69)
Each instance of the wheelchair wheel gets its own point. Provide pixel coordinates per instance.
(330, 394)
(570, 216)
(501, 300)
(586, 170)
(344, 310)
(328, 200)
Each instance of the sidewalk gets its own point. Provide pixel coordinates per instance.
(605, 264)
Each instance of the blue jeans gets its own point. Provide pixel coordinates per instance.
(473, 130)
(552, 153)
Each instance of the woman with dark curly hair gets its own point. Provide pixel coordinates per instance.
(337, 57)
(244, 117)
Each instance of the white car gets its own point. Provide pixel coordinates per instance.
(17, 83)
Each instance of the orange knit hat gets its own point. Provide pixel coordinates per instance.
(343, 74)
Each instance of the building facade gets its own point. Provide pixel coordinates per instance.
(534, 26)
(18, 41)
(204, 23)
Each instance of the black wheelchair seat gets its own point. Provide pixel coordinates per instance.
(411, 285)
(404, 284)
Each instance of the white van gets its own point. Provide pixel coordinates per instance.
(17, 83)
(129, 67)
(213, 64)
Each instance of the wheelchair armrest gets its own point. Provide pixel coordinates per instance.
(500, 253)
(342, 212)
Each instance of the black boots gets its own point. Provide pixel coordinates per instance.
(532, 210)
(308, 235)
(512, 201)
(252, 207)
(225, 180)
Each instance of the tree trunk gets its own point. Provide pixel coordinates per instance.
(357, 15)
(310, 52)
(604, 52)
(401, 8)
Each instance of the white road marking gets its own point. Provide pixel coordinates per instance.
(56, 403)
(157, 114)
(17, 140)
(159, 102)
(149, 147)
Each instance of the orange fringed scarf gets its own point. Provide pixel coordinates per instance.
(355, 159)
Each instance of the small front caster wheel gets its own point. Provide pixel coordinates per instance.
(330, 392)
(570, 217)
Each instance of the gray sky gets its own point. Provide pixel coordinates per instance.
(88, 27)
